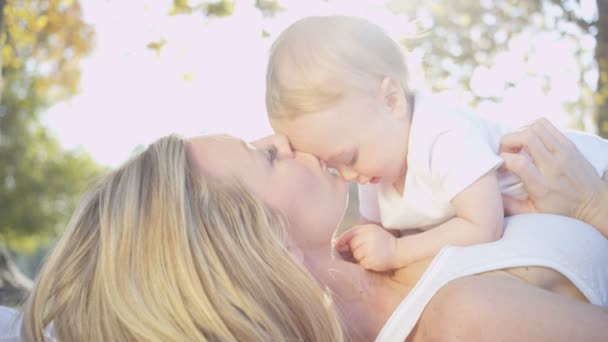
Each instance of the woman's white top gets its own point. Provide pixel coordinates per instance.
(448, 150)
(572, 248)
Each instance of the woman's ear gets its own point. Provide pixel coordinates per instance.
(296, 253)
(393, 96)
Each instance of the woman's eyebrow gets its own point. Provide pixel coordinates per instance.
(250, 149)
(247, 145)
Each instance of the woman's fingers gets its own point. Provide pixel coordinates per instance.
(559, 180)
(560, 138)
(514, 206)
(528, 141)
(525, 169)
(547, 134)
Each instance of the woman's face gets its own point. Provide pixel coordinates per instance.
(296, 184)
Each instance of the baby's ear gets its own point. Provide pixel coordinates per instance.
(394, 96)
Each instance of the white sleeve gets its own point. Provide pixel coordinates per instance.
(593, 148)
(459, 157)
(368, 202)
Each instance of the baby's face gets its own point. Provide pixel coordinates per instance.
(358, 136)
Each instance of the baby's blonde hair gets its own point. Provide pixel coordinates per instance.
(156, 251)
(317, 60)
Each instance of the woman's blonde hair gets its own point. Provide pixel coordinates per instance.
(317, 60)
(157, 252)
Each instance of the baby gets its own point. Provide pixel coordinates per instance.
(337, 87)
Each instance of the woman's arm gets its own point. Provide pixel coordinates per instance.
(500, 308)
(559, 180)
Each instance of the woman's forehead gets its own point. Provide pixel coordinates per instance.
(213, 154)
(208, 143)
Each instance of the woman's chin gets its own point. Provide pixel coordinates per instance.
(345, 206)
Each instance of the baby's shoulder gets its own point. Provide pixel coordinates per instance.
(434, 115)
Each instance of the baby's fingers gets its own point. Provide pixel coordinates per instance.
(359, 254)
(343, 241)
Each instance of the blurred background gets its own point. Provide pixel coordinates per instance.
(85, 84)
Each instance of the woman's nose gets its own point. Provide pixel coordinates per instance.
(283, 146)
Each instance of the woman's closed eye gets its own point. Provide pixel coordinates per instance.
(271, 153)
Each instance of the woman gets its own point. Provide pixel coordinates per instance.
(158, 252)
(213, 239)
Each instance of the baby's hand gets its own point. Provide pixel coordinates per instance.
(371, 245)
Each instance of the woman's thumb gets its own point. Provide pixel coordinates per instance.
(514, 206)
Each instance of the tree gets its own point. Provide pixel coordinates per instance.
(601, 57)
(42, 42)
(465, 35)
(461, 37)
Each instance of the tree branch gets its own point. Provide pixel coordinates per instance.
(572, 17)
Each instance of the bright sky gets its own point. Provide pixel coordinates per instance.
(130, 96)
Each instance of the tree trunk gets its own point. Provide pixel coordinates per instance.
(2, 3)
(14, 285)
(601, 56)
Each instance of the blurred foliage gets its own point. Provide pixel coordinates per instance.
(463, 35)
(157, 46)
(221, 8)
(269, 7)
(42, 44)
(43, 40)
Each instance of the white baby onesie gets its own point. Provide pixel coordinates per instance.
(449, 149)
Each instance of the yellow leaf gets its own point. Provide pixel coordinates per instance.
(187, 77)
(7, 55)
(17, 63)
(180, 7)
(156, 46)
(41, 23)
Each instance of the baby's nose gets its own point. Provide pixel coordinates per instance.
(362, 180)
(348, 174)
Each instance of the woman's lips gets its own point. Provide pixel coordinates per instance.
(374, 180)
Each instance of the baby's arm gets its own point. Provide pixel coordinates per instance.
(479, 218)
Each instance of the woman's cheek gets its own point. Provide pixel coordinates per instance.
(308, 189)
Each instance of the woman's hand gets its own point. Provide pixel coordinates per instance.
(558, 179)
